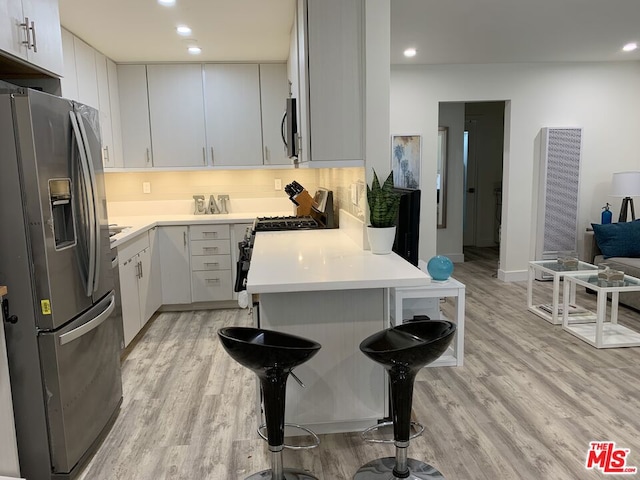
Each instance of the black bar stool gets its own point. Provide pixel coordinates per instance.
(271, 356)
(403, 350)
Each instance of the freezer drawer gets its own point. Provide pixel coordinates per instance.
(81, 370)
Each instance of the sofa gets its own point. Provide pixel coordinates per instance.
(618, 246)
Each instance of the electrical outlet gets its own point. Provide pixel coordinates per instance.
(146, 187)
(277, 184)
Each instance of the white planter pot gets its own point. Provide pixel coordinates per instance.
(381, 239)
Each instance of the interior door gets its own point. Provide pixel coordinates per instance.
(470, 184)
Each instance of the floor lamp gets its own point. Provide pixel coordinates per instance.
(626, 185)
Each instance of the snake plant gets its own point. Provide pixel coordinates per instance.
(384, 202)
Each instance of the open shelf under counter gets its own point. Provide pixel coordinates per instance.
(452, 288)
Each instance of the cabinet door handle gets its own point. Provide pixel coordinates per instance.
(204, 155)
(266, 155)
(214, 281)
(148, 155)
(210, 234)
(184, 239)
(105, 155)
(140, 264)
(215, 249)
(212, 264)
(212, 161)
(27, 42)
(34, 42)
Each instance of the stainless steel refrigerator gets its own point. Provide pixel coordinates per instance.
(55, 258)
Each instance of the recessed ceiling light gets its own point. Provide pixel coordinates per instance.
(195, 50)
(167, 3)
(630, 47)
(183, 30)
(410, 52)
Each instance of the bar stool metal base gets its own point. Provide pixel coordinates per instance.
(382, 469)
(289, 474)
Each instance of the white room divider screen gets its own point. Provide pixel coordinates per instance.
(558, 189)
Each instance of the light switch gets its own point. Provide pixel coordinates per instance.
(146, 187)
(277, 184)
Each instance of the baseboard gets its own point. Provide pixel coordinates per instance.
(513, 275)
(454, 257)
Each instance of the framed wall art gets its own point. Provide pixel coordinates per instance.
(405, 160)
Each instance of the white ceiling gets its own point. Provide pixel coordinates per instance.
(142, 30)
(443, 31)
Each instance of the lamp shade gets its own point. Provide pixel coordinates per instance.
(625, 184)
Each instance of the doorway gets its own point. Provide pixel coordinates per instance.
(480, 143)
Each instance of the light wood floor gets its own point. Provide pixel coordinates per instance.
(525, 405)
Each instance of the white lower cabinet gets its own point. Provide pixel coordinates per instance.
(211, 278)
(174, 264)
(139, 290)
(151, 272)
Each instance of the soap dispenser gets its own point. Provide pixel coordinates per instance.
(606, 214)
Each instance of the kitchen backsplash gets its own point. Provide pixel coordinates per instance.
(181, 185)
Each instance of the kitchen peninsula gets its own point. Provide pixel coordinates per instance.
(322, 285)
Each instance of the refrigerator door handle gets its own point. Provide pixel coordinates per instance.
(90, 325)
(91, 212)
(94, 195)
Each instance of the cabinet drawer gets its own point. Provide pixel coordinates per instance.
(210, 247)
(209, 232)
(211, 286)
(211, 262)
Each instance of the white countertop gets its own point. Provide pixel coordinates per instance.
(140, 223)
(314, 260)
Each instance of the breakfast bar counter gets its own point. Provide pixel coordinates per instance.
(317, 260)
(321, 285)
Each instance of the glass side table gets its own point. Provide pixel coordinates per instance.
(603, 333)
(550, 311)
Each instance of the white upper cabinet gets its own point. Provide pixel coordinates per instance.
(114, 103)
(86, 73)
(69, 80)
(233, 114)
(273, 92)
(44, 24)
(176, 112)
(134, 115)
(30, 30)
(11, 33)
(335, 80)
(105, 110)
(91, 78)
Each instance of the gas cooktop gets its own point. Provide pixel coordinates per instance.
(273, 224)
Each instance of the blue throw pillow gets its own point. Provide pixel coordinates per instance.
(618, 239)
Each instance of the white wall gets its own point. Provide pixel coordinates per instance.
(603, 98)
(449, 239)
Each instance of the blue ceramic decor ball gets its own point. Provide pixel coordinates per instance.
(440, 268)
